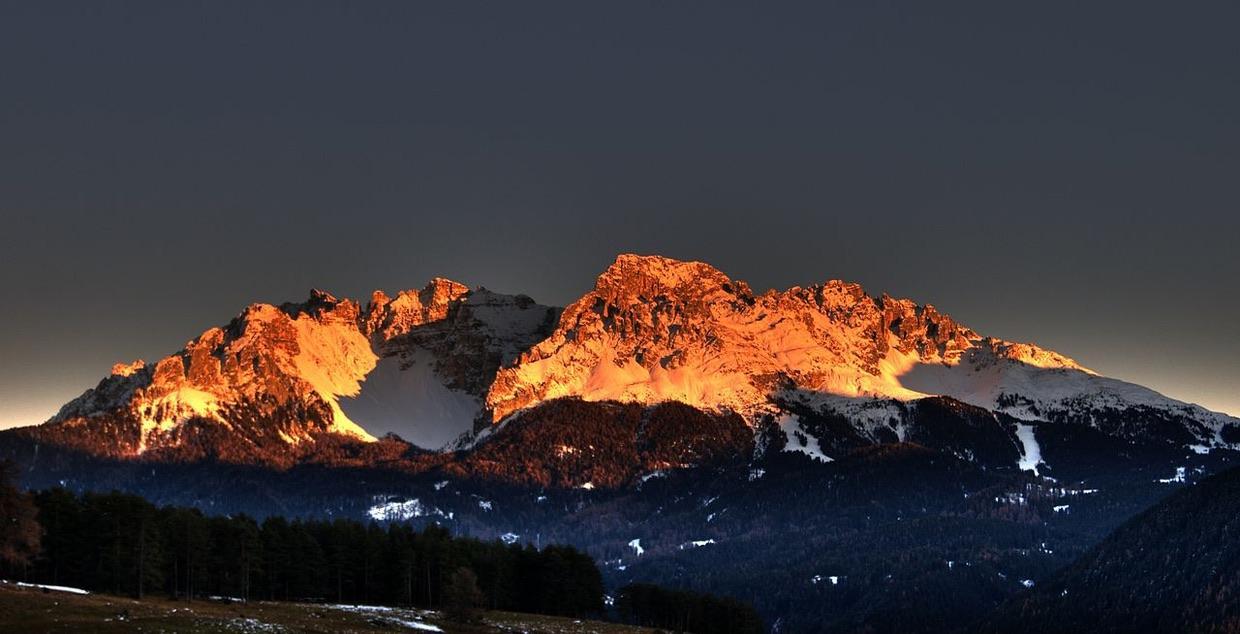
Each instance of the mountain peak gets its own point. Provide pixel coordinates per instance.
(636, 278)
(392, 316)
(128, 369)
(322, 297)
(1030, 354)
(656, 329)
(668, 269)
(442, 287)
(653, 329)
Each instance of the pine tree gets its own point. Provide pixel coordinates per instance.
(462, 598)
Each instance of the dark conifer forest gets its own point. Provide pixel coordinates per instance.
(1173, 568)
(122, 544)
(652, 606)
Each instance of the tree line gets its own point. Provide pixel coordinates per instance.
(122, 544)
(682, 611)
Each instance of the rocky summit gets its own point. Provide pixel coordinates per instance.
(439, 365)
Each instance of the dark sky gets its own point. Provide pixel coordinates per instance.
(1067, 174)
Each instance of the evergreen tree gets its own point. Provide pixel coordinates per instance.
(462, 598)
(19, 528)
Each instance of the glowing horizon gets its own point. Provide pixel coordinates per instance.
(33, 407)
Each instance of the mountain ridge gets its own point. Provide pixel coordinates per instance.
(303, 357)
(443, 364)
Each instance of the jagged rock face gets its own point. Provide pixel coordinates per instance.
(276, 376)
(470, 336)
(388, 318)
(657, 329)
(295, 358)
(438, 363)
(438, 358)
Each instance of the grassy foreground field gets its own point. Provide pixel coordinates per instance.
(35, 610)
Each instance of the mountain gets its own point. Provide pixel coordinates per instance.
(655, 329)
(1173, 568)
(431, 364)
(859, 453)
(276, 378)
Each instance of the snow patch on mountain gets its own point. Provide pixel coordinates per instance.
(597, 354)
(1180, 477)
(417, 364)
(404, 510)
(1023, 386)
(1031, 452)
(333, 357)
(432, 363)
(868, 415)
(697, 543)
(397, 511)
(407, 397)
(509, 320)
(799, 440)
(655, 329)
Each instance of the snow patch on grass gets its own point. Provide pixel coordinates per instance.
(40, 586)
(404, 618)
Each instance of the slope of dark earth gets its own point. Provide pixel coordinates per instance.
(32, 610)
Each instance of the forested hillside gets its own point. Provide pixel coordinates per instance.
(1173, 568)
(122, 544)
